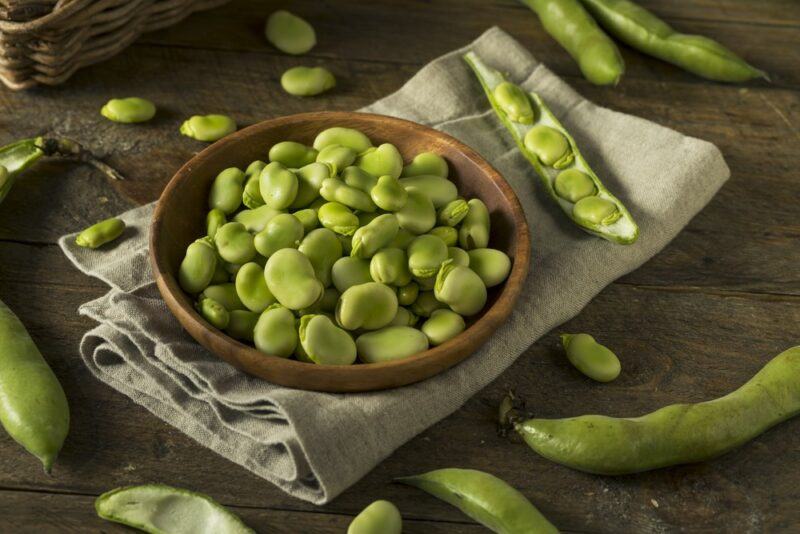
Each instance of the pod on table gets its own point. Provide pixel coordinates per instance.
(307, 81)
(275, 331)
(208, 127)
(290, 277)
(573, 186)
(575, 30)
(640, 29)
(289, 33)
(33, 407)
(128, 110)
(101, 233)
(460, 288)
(676, 434)
(157, 508)
(227, 191)
(443, 325)
(198, 266)
(590, 357)
(390, 343)
(380, 517)
(375, 235)
(485, 498)
(367, 306)
(325, 343)
(426, 163)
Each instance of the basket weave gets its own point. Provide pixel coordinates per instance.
(46, 41)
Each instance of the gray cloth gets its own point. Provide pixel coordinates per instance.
(315, 445)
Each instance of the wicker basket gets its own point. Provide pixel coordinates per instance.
(46, 41)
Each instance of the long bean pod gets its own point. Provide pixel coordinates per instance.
(553, 153)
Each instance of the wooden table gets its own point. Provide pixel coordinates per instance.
(693, 323)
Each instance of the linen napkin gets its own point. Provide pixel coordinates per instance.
(315, 445)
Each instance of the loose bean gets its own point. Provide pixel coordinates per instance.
(101, 233)
(289, 33)
(590, 357)
(307, 81)
(208, 127)
(128, 110)
(380, 517)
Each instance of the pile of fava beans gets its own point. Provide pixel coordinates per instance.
(339, 252)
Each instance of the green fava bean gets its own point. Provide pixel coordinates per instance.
(307, 81)
(349, 271)
(380, 517)
(390, 266)
(407, 294)
(590, 357)
(459, 256)
(308, 218)
(292, 155)
(388, 194)
(425, 255)
(198, 266)
(402, 239)
(453, 212)
(358, 178)
(255, 220)
(283, 231)
(446, 233)
(278, 186)
(596, 211)
(242, 324)
(573, 185)
(460, 288)
(441, 191)
(418, 214)
(226, 190)
(390, 343)
(549, 145)
(426, 163)
(251, 287)
(275, 332)
(442, 326)
(289, 33)
(225, 294)
(33, 407)
(322, 248)
(324, 342)
(255, 168)
(338, 217)
(491, 265)
(382, 160)
(309, 182)
(208, 127)
(338, 156)
(374, 236)
(403, 317)
(335, 190)
(128, 110)
(251, 196)
(426, 303)
(485, 498)
(348, 137)
(474, 231)
(214, 312)
(514, 102)
(290, 277)
(235, 243)
(369, 306)
(215, 219)
(101, 233)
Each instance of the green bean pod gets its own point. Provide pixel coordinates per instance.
(101, 233)
(676, 434)
(33, 407)
(574, 29)
(485, 498)
(639, 28)
(563, 171)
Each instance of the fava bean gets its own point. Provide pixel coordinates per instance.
(573, 185)
(514, 102)
(101, 233)
(348, 137)
(215, 219)
(402, 239)
(426, 163)
(426, 303)
(324, 342)
(226, 190)
(375, 235)
(308, 218)
(443, 325)
(255, 220)
(368, 306)
(459, 256)
(225, 294)
(128, 110)
(441, 191)
(358, 178)
(407, 294)
(338, 156)
(418, 214)
(278, 186)
(474, 231)
(590, 357)
(390, 266)
(235, 243)
(282, 231)
(595, 211)
(275, 332)
(447, 234)
(549, 145)
(425, 255)
(242, 324)
(251, 196)
(289, 33)
(338, 218)
(251, 287)
(334, 190)
(349, 271)
(208, 127)
(460, 288)
(323, 249)
(290, 277)
(453, 212)
(388, 194)
(213, 312)
(380, 517)
(307, 81)
(198, 266)
(491, 265)
(390, 343)
(403, 317)
(292, 155)
(382, 160)
(255, 168)
(309, 182)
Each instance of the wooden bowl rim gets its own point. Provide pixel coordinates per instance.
(321, 376)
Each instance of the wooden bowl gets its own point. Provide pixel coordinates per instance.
(179, 219)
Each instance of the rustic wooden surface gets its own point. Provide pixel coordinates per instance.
(693, 323)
